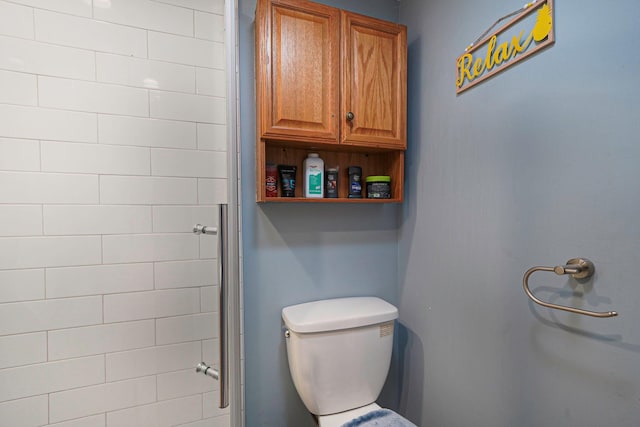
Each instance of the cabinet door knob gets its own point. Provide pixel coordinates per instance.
(350, 116)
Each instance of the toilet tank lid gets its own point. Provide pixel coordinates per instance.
(336, 314)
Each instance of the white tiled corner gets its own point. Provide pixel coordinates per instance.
(16, 20)
(18, 122)
(20, 220)
(212, 137)
(80, 402)
(28, 412)
(183, 383)
(18, 88)
(180, 274)
(188, 163)
(193, 327)
(26, 349)
(132, 190)
(85, 33)
(122, 130)
(98, 279)
(72, 7)
(19, 155)
(211, 82)
(149, 247)
(34, 252)
(21, 285)
(32, 316)
(168, 413)
(85, 341)
(152, 360)
(148, 15)
(46, 59)
(144, 73)
(186, 50)
(94, 158)
(209, 26)
(187, 107)
(43, 378)
(96, 219)
(212, 191)
(68, 94)
(150, 305)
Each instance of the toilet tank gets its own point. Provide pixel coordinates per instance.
(339, 351)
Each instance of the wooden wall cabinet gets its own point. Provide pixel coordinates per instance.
(332, 82)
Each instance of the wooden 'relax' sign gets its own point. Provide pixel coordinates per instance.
(497, 52)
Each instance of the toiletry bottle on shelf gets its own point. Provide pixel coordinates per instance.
(313, 176)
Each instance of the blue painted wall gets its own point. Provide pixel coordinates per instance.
(537, 165)
(296, 253)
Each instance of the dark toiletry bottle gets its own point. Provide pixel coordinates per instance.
(271, 180)
(288, 180)
(355, 182)
(331, 184)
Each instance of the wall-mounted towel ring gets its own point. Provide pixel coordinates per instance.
(579, 268)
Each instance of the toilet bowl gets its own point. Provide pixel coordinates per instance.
(339, 352)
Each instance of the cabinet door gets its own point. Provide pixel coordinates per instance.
(374, 88)
(297, 70)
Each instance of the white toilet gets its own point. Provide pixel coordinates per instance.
(339, 352)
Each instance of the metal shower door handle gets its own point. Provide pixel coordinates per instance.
(221, 374)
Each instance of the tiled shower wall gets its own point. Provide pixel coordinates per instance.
(112, 145)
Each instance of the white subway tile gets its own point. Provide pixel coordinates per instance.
(186, 50)
(93, 421)
(16, 20)
(16, 220)
(149, 247)
(80, 402)
(175, 219)
(144, 73)
(149, 305)
(101, 219)
(18, 88)
(219, 421)
(209, 300)
(21, 317)
(94, 158)
(19, 155)
(209, 26)
(85, 33)
(183, 274)
(213, 6)
(68, 94)
(27, 187)
(98, 279)
(46, 59)
(153, 360)
(122, 130)
(187, 107)
(45, 378)
(146, 14)
(211, 82)
(208, 247)
(40, 123)
(73, 7)
(211, 351)
(210, 408)
(85, 341)
(21, 285)
(162, 414)
(18, 350)
(188, 163)
(192, 327)
(34, 252)
(29, 412)
(212, 191)
(147, 190)
(212, 137)
(183, 383)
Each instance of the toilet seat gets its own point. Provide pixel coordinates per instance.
(339, 419)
